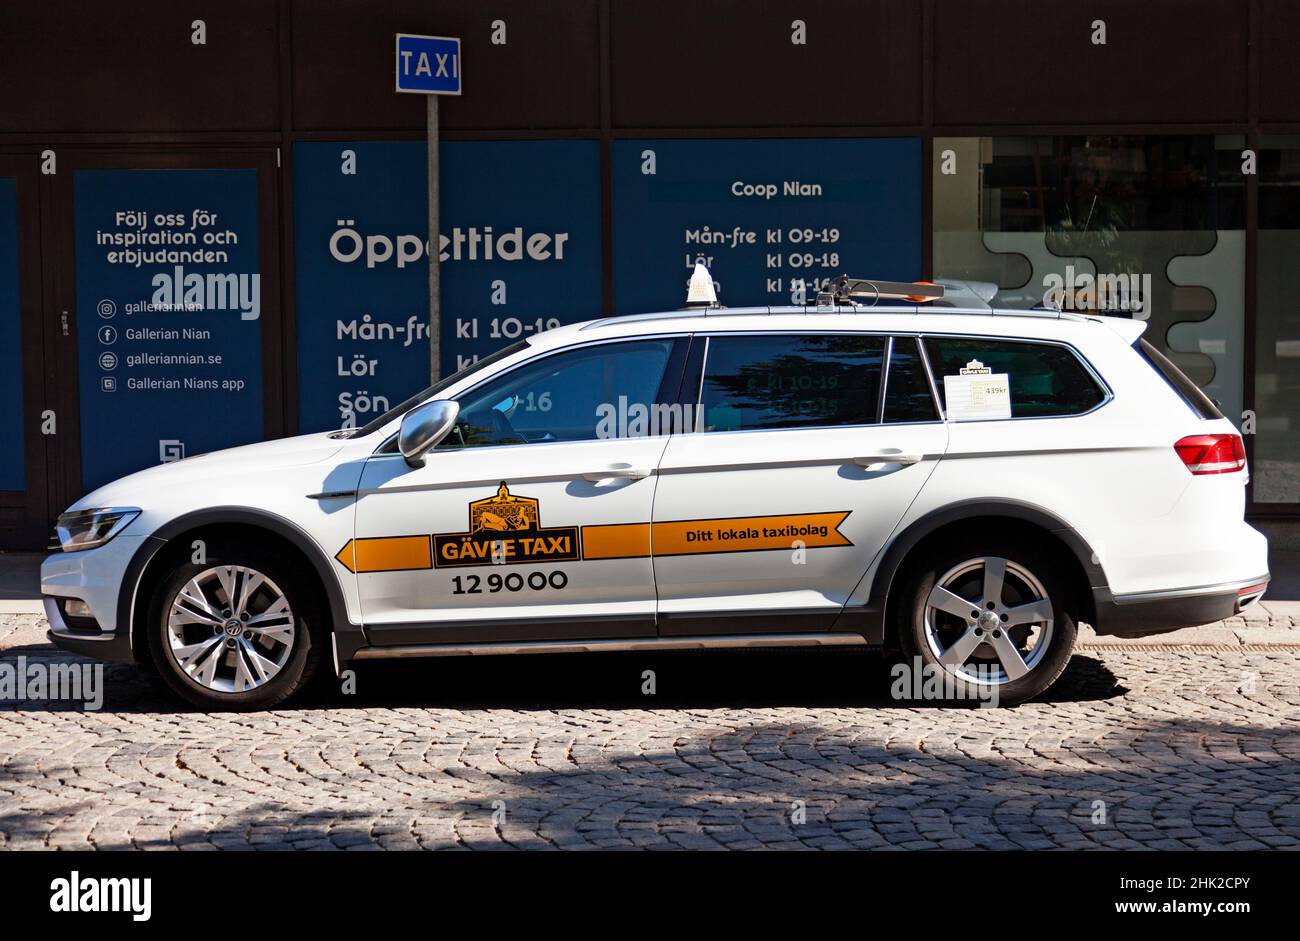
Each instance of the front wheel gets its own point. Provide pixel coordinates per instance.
(238, 631)
(995, 616)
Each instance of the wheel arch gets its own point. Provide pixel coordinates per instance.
(1025, 518)
(173, 540)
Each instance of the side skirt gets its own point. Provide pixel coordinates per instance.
(593, 646)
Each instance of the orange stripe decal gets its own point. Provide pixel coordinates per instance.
(619, 541)
(749, 533)
(615, 541)
(347, 556)
(396, 554)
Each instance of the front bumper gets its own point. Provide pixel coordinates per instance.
(95, 576)
(104, 645)
(1141, 615)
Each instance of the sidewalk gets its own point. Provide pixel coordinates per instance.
(20, 582)
(1275, 620)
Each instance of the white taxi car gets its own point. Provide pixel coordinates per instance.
(886, 466)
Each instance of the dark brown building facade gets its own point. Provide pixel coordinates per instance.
(212, 217)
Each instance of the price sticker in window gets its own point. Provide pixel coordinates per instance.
(977, 393)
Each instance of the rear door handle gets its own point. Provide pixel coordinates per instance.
(888, 456)
(617, 471)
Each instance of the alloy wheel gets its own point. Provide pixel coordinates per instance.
(230, 629)
(988, 621)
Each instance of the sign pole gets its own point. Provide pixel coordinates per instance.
(430, 66)
(435, 250)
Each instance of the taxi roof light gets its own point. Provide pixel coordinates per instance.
(701, 293)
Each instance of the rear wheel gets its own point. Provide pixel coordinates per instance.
(996, 616)
(238, 631)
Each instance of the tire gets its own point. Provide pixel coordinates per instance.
(986, 640)
(222, 661)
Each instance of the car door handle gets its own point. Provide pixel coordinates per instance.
(617, 471)
(888, 456)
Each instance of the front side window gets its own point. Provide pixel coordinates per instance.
(578, 395)
(1045, 380)
(432, 392)
(757, 383)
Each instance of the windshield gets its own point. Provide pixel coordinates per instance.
(430, 392)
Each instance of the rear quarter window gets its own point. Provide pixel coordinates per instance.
(1188, 391)
(1046, 380)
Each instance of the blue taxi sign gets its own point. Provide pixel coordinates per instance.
(428, 65)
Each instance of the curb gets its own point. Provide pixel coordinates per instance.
(24, 606)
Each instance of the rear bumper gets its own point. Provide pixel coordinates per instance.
(1148, 613)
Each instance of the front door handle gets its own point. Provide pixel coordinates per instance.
(617, 472)
(888, 456)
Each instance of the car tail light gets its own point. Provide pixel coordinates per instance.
(1212, 454)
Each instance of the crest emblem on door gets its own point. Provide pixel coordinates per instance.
(503, 513)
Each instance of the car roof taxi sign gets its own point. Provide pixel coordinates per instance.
(700, 293)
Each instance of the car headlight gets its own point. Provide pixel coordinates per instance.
(86, 529)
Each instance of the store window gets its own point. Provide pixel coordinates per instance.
(1276, 468)
(1148, 227)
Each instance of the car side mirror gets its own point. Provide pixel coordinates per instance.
(423, 427)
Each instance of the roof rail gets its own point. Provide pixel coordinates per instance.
(945, 296)
(841, 309)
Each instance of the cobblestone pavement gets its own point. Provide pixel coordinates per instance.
(1136, 747)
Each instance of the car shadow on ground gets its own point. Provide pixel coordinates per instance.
(770, 678)
(810, 778)
(807, 783)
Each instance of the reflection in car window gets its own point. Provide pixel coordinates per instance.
(1046, 380)
(772, 381)
(907, 389)
(577, 395)
(431, 392)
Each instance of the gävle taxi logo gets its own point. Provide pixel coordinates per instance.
(504, 529)
(507, 529)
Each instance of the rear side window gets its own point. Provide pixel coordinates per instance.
(1189, 391)
(754, 383)
(907, 388)
(1045, 380)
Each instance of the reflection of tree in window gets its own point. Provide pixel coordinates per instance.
(558, 398)
(758, 382)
